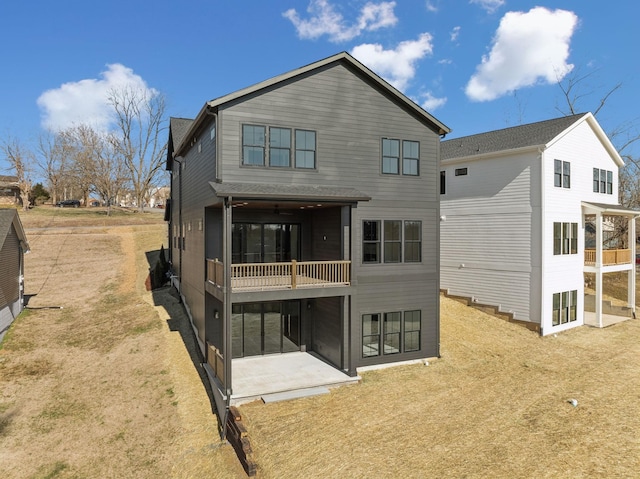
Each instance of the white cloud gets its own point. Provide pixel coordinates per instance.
(431, 7)
(396, 66)
(489, 5)
(528, 48)
(430, 102)
(324, 20)
(454, 34)
(86, 101)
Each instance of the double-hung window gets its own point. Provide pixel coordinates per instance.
(305, 149)
(561, 174)
(412, 241)
(280, 147)
(390, 156)
(392, 241)
(371, 241)
(253, 144)
(410, 158)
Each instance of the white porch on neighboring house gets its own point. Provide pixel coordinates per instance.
(613, 251)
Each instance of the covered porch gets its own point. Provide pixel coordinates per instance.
(610, 247)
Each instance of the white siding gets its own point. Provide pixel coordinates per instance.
(489, 249)
(582, 148)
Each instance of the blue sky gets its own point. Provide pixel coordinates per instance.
(476, 65)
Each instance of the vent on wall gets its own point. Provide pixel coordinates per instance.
(461, 172)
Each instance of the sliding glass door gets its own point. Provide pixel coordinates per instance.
(265, 243)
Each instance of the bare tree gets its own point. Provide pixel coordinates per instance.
(53, 161)
(83, 145)
(139, 140)
(110, 174)
(20, 159)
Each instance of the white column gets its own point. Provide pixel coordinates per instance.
(631, 291)
(599, 269)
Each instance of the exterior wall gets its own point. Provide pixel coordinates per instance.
(350, 119)
(192, 174)
(490, 249)
(582, 148)
(10, 297)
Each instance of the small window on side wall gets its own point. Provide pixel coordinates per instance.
(305, 149)
(390, 156)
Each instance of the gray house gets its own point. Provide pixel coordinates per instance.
(304, 218)
(13, 245)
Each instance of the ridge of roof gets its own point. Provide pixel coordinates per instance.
(8, 217)
(510, 138)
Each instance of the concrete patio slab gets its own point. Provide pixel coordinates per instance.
(258, 376)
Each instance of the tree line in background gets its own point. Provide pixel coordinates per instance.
(80, 161)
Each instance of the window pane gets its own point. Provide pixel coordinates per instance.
(391, 333)
(280, 147)
(564, 308)
(565, 237)
(305, 149)
(556, 309)
(609, 182)
(603, 181)
(557, 238)
(566, 174)
(443, 182)
(390, 156)
(574, 304)
(596, 180)
(253, 141)
(412, 241)
(574, 238)
(279, 157)
(370, 335)
(370, 241)
(557, 173)
(412, 330)
(392, 244)
(410, 157)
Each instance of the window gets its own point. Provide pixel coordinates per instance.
(280, 147)
(392, 333)
(370, 335)
(390, 156)
(561, 174)
(305, 149)
(412, 330)
(410, 157)
(461, 172)
(399, 332)
(371, 242)
(392, 241)
(394, 234)
(443, 182)
(565, 238)
(564, 307)
(602, 181)
(253, 145)
(412, 241)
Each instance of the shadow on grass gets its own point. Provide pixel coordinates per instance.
(178, 321)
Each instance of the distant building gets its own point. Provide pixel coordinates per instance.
(9, 190)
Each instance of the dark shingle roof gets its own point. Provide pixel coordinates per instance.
(8, 217)
(287, 192)
(178, 128)
(532, 134)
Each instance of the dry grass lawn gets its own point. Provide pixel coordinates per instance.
(106, 388)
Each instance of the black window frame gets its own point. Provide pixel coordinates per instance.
(388, 156)
(391, 332)
(410, 160)
(246, 144)
(305, 149)
(565, 238)
(561, 174)
(368, 240)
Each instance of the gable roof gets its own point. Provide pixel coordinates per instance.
(8, 217)
(178, 128)
(515, 137)
(343, 58)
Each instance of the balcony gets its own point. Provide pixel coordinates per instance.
(610, 257)
(278, 276)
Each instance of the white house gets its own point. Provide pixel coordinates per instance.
(516, 206)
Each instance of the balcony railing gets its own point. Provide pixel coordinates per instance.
(289, 275)
(610, 257)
